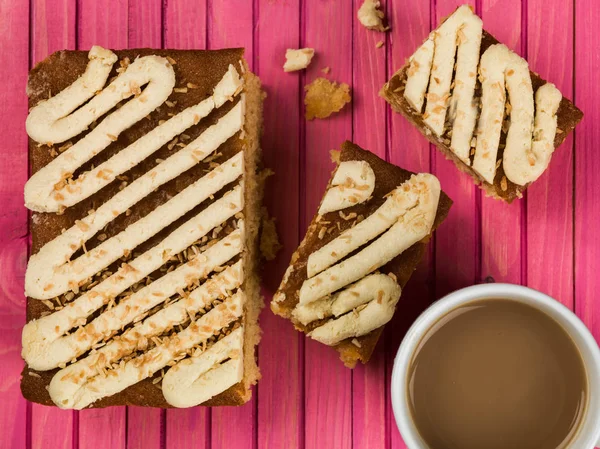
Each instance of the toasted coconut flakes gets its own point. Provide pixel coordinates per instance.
(504, 184)
(32, 374)
(356, 343)
(180, 90)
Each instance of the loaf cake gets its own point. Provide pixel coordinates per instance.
(369, 234)
(479, 103)
(145, 190)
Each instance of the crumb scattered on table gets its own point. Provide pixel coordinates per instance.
(324, 97)
(269, 242)
(326, 70)
(379, 44)
(297, 59)
(371, 17)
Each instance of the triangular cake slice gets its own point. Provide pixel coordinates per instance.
(479, 103)
(369, 234)
(142, 285)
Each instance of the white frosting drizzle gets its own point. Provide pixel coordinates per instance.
(381, 295)
(462, 28)
(45, 347)
(47, 343)
(418, 75)
(69, 389)
(399, 202)
(411, 226)
(528, 150)
(406, 217)
(50, 272)
(523, 167)
(41, 192)
(197, 379)
(353, 183)
(351, 297)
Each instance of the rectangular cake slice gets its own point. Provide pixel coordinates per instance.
(369, 234)
(479, 103)
(142, 285)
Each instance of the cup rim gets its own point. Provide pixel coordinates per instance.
(455, 299)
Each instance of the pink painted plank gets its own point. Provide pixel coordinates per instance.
(185, 28)
(145, 23)
(102, 22)
(369, 124)
(14, 47)
(457, 240)
(328, 383)
(236, 31)
(501, 229)
(550, 204)
(185, 24)
(587, 166)
(408, 149)
(144, 425)
(52, 28)
(280, 391)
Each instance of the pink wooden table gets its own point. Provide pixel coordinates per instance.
(550, 240)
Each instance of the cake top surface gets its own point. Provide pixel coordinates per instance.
(161, 290)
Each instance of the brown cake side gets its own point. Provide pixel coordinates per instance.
(197, 72)
(568, 116)
(388, 177)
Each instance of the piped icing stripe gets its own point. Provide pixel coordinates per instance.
(50, 272)
(48, 190)
(346, 288)
(504, 71)
(80, 384)
(199, 378)
(443, 72)
(411, 226)
(377, 309)
(353, 183)
(113, 335)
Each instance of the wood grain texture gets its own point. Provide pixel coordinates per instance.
(587, 166)
(184, 28)
(281, 351)
(236, 31)
(550, 198)
(410, 24)
(328, 383)
(102, 22)
(14, 26)
(457, 240)
(184, 24)
(53, 28)
(501, 231)
(144, 425)
(369, 124)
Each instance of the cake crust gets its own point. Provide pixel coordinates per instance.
(197, 72)
(568, 116)
(388, 177)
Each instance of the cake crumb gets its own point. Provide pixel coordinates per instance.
(269, 242)
(379, 44)
(324, 97)
(297, 59)
(371, 17)
(326, 70)
(335, 156)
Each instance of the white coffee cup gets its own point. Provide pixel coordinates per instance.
(588, 434)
